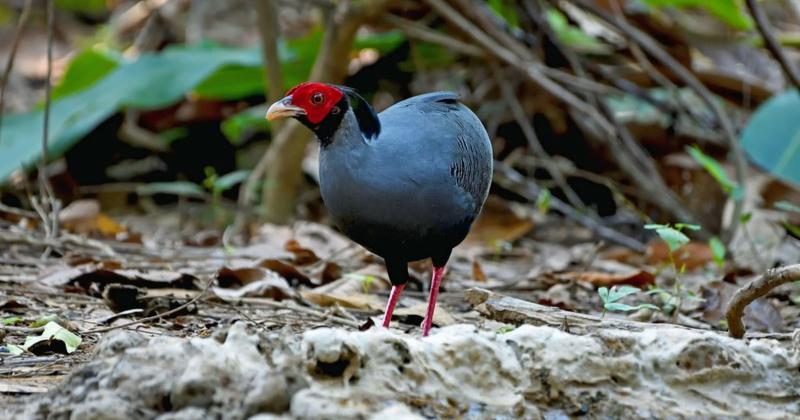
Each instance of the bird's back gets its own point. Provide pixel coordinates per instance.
(418, 187)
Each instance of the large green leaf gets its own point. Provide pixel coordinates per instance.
(152, 81)
(728, 11)
(96, 86)
(772, 136)
(84, 70)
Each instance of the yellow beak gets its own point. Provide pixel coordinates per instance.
(284, 109)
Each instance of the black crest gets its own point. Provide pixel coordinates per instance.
(368, 120)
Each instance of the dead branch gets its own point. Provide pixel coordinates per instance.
(792, 74)
(628, 155)
(649, 45)
(507, 177)
(757, 288)
(21, 23)
(517, 311)
(533, 140)
(156, 316)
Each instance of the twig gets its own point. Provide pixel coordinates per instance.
(157, 316)
(23, 21)
(654, 49)
(298, 308)
(533, 141)
(512, 180)
(18, 212)
(757, 288)
(772, 44)
(415, 30)
(641, 171)
(22, 330)
(50, 207)
(269, 30)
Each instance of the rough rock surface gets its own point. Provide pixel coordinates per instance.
(459, 371)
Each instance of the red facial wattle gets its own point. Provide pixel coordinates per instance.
(316, 99)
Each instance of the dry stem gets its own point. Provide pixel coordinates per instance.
(757, 288)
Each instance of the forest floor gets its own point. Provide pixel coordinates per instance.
(172, 325)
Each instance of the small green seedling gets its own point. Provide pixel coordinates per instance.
(716, 171)
(673, 236)
(718, 251)
(366, 280)
(543, 201)
(505, 329)
(611, 297)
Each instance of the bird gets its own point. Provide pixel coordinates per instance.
(406, 184)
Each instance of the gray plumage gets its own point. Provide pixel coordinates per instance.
(414, 191)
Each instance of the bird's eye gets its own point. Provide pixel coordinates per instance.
(317, 98)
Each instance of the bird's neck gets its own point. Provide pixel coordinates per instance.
(347, 136)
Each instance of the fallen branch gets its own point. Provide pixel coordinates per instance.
(757, 288)
(630, 158)
(772, 44)
(649, 45)
(533, 140)
(156, 316)
(507, 177)
(515, 311)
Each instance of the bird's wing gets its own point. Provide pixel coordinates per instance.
(436, 126)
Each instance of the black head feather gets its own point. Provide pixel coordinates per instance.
(368, 120)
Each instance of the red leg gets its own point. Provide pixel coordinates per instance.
(436, 280)
(394, 296)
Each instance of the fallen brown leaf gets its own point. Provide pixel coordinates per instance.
(691, 256)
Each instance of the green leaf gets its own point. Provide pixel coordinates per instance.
(688, 226)
(717, 251)
(91, 95)
(793, 229)
(772, 136)
(654, 226)
(247, 121)
(44, 320)
(618, 292)
(504, 10)
(179, 188)
(787, 206)
(11, 320)
(84, 70)
(621, 307)
(574, 36)
(505, 329)
(727, 11)
(54, 331)
(83, 6)
(384, 42)
(543, 201)
(603, 293)
(13, 349)
(232, 82)
(744, 218)
(230, 180)
(674, 238)
(153, 81)
(715, 169)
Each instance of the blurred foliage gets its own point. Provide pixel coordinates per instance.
(728, 11)
(83, 6)
(99, 83)
(84, 70)
(505, 10)
(574, 36)
(717, 172)
(772, 136)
